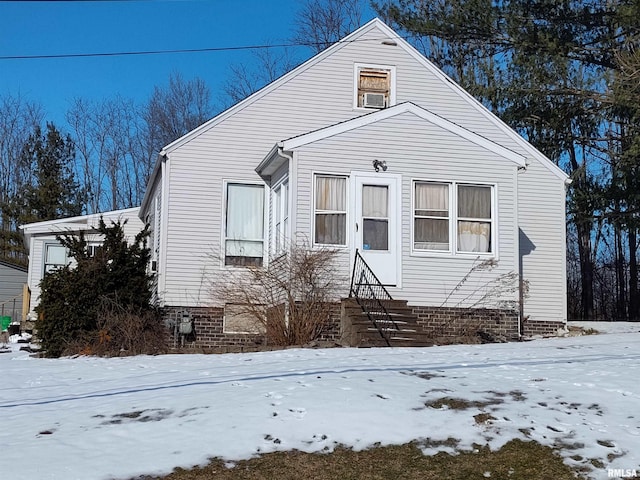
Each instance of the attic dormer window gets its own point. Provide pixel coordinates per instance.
(374, 87)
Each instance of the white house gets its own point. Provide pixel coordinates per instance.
(46, 253)
(365, 146)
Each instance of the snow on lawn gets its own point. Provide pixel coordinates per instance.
(95, 418)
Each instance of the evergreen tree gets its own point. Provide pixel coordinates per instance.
(71, 296)
(54, 191)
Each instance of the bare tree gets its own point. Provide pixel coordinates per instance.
(267, 66)
(320, 23)
(104, 133)
(175, 110)
(18, 120)
(117, 141)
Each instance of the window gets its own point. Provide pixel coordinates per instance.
(431, 222)
(471, 214)
(55, 257)
(280, 228)
(374, 87)
(241, 319)
(474, 218)
(244, 228)
(330, 210)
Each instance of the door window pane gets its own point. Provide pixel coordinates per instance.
(375, 217)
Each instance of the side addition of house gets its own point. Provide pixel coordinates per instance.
(369, 148)
(46, 253)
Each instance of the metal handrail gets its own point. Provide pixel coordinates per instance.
(369, 293)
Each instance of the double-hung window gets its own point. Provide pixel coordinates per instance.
(280, 212)
(244, 226)
(452, 217)
(330, 210)
(474, 218)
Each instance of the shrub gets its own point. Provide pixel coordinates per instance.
(72, 297)
(291, 298)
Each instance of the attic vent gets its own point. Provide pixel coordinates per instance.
(373, 87)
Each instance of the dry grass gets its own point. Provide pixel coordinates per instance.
(517, 460)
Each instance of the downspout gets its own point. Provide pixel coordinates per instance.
(293, 186)
(520, 260)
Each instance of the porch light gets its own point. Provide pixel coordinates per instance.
(377, 165)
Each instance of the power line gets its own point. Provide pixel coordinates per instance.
(163, 52)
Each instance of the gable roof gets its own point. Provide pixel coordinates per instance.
(274, 159)
(389, 35)
(406, 107)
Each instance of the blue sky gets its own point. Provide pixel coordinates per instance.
(71, 27)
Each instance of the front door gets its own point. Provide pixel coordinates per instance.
(377, 224)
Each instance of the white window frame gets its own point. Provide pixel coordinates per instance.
(280, 230)
(223, 229)
(453, 220)
(392, 84)
(346, 212)
(57, 265)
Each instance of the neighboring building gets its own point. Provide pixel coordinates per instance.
(46, 253)
(13, 280)
(366, 146)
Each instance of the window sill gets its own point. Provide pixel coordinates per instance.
(460, 255)
(370, 109)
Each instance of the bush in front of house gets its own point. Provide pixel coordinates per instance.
(292, 299)
(85, 306)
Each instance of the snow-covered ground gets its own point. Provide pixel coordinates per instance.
(95, 418)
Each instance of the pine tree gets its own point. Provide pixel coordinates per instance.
(71, 297)
(54, 191)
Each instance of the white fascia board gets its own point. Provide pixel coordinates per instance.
(407, 107)
(471, 100)
(162, 156)
(82, 220)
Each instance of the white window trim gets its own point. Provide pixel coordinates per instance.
(274, 232)
(45, 247)
(453, 221)
(223, 226)
(347, 236)
(356, 77)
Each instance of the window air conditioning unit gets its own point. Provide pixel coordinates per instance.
(374, 100)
